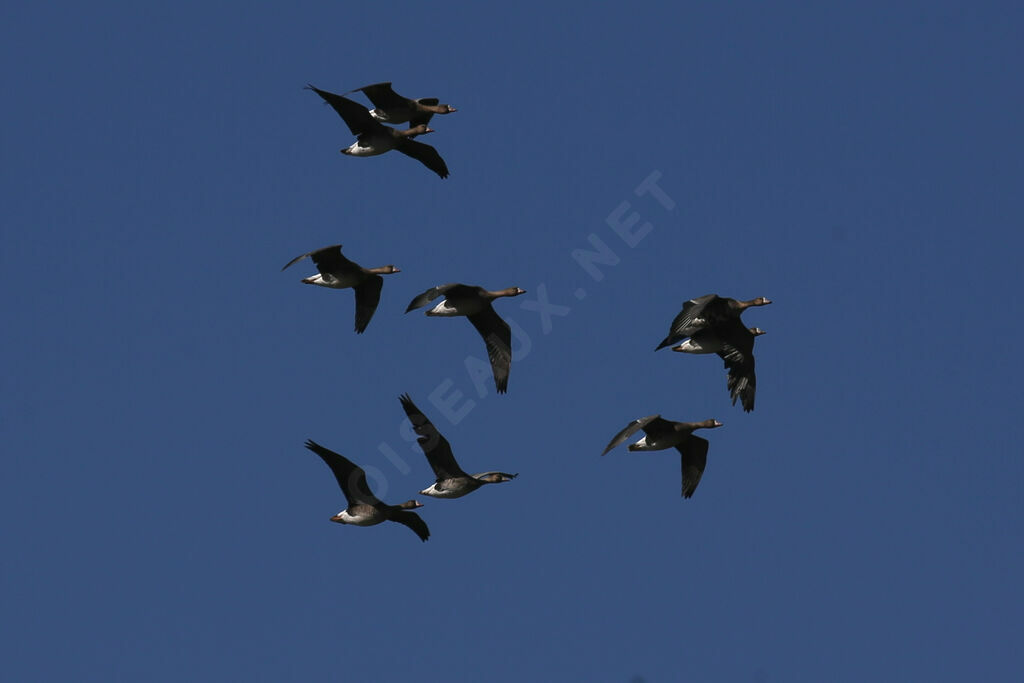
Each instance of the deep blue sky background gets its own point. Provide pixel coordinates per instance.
(858, 164)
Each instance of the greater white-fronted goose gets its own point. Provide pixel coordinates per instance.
(373, 138)
(708, 311)
(735, 344)
(393, 108)
(364, 508)
(451, 482)
(337, 272)
(662, 434)
(475, 303)
(715, 320)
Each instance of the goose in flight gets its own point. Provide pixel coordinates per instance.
(451, 482)
(373, 138)
(713, 325)
(364, 508)
(708, 311)
(661, 434)
(337, 272)
(390, 107)
(475, 303)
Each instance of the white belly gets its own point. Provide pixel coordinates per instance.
(649, 444)
(642, 445)
(446, 308)
(368, 147)
(433, 492)
(345, 517)
(692, 346)
(332, 282)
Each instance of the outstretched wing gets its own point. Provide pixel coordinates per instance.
(425, 154)
(367, 298)
(429, 295)
(351, 478)
(738, 355)
(356, 116)
(742, 384)
(383, 96)
(435, 447)
(327, 257)
(413, 521)
(630, 429)
(690, 320)
(694, 457)
(498, 336)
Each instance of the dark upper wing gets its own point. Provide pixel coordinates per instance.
(435, 447)
(629, 430)
(659, 427)
(413, 521)
(383, 96)
(330, 261)
(690, 320)
(498, 336)
(738, 353)
(367, 298)
(323, 254)
(356, 116)
(425, 154)
(429, 295)
(351, 478)
(694, 452)
(742, 384)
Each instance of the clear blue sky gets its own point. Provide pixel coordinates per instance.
(858, 164)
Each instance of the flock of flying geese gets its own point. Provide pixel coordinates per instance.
(707, 324)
